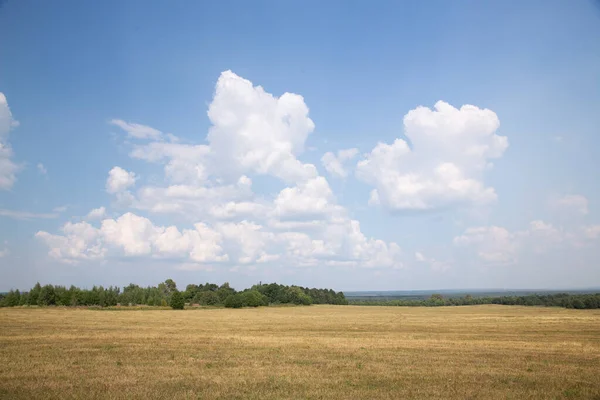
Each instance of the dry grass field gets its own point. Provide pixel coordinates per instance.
(317, 352)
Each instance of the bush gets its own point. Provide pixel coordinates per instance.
(253, 298)
(234, 301)
(177, 302)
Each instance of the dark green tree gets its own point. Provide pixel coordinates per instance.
(208, 298)
(34, 293)
(253, 298)
(234, 301)
(177, 302)
(47, 296)
(225, 291)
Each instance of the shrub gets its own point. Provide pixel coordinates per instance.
(234, 301)
(253, 298)
(177, 302)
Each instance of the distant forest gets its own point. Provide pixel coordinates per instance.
(166, 294)
(578, 301)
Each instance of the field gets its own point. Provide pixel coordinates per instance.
(317, 352)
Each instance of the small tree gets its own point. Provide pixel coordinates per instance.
(253, 298)
(177, 302)
(34, 294)
(234, 301)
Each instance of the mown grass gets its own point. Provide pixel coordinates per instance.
(317, 352)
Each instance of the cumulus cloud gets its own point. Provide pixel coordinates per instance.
(310, 199)
(79, 241)
(444, 164)
(254, 131)
(192, 200)
(132, 235)
(119, 180)
(250, 241)
(335, 164)
(137, 131)
(184, 163)
(96, 213)
(8, 168)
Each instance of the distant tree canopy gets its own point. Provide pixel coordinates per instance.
(166, 294)
(578, 301)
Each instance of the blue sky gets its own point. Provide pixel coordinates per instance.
(500, 193)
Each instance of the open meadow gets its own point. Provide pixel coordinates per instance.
(316, 352)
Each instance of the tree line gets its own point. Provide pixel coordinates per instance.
(566, 300)
(166, 294)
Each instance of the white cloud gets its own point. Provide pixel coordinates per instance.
(79, 241)
(185, 163)
(136, 130)
(8, 168)
(119, 180)
(132, 235)
(254, 131)
(334, 164)
(241, 209)
(42, 169)
(96, 213)
(191, 200)
(60, 209)
(572, 204)
(4, 252)
(310, 199)
(26, 215)
(444, 165)
(250, 240)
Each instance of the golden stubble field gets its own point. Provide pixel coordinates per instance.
(317, 352)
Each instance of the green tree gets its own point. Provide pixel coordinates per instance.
(34, 294)
(295, 295)
(234, 301)
(12, 299)
(209, 298)
(253, 298)
(225, 291)
(578, 304)
(47, 296)
(177, 302)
